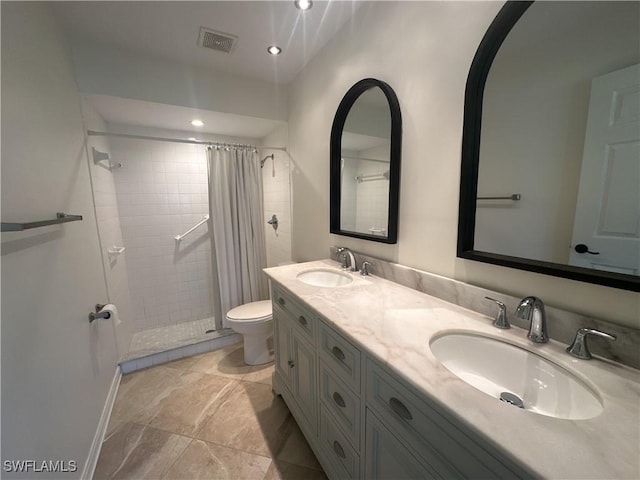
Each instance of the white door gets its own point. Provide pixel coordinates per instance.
(606, 233)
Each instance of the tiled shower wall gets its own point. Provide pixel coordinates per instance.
(162, 192)
(366, 202)
(275, 178)
(277, 198)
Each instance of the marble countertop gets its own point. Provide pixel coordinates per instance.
(395, 324)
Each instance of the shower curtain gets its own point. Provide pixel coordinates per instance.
(238, 238)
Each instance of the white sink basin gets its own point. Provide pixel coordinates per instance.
(321, 277)
(500, 369)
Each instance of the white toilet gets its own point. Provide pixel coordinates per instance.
(254, 321)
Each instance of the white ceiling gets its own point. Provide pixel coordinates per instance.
(169, 30)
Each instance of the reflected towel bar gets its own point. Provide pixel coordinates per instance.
(377, 176)
(513, 196)
(60, 218)
(180, 237)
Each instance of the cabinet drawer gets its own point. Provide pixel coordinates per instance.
(439, 442)
(342, 356)
(342, 403)
(336, 448)
(302, 318)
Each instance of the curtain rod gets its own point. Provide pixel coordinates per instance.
(177, 140)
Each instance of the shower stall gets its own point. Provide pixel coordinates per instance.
(151, 193)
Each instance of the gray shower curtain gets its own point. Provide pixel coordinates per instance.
(238, 239)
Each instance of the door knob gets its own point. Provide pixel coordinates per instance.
(582, 248)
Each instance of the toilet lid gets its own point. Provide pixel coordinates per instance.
(251, 311)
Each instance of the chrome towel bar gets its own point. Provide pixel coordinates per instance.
(513, 196)
(60, 218)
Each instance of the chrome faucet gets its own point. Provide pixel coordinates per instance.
(532, 310)
(348, 259)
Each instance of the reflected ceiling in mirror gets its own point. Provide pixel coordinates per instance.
(560, 127)
(365, 163)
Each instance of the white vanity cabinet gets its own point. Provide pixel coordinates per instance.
(432, 440)
(362, 421)
(295, 359)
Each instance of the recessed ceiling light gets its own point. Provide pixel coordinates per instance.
(197, 123)
(274, 50)
(303, 4)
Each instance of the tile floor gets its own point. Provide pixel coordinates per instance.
(155, 338)
(209, 416)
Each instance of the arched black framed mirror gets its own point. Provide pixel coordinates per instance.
(365, 149)
(535, 160)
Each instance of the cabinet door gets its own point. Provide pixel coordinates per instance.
(304, 379)
(387, 458)
(282, 340)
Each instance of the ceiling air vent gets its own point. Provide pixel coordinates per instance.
(222, 42)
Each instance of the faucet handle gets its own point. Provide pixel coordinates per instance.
(579, 347)
(501, 317)
(364, 269)
(341, 256)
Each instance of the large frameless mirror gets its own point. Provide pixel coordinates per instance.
(365, 163)
(550, 177)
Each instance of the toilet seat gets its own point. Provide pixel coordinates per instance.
(251, 312)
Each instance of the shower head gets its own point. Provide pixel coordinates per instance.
(265, 159)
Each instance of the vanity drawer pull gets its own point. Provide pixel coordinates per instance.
(338, 449)
(282, 301)
(302, 320)
(399, 408)
(291, 364)
(338, 353)
(339, 400)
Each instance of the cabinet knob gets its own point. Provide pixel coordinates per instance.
(400, 409)
(302, 320)
(291, 364)
(339, 354)
(338, 449)
(281, 301)
(338, 399)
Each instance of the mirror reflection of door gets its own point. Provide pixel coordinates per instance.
(534, 136)
(606, 232)
(365, 157)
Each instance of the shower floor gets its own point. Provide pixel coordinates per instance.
(166, 338)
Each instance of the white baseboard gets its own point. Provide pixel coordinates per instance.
(96, 445)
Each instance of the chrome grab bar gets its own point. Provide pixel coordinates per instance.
(180, 237)
(376, 176)
(60, 218)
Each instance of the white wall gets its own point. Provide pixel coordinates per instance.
(434, 43)
(56, 367)
(104, 196)
(277, 197)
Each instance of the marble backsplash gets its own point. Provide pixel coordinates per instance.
(562, 324)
